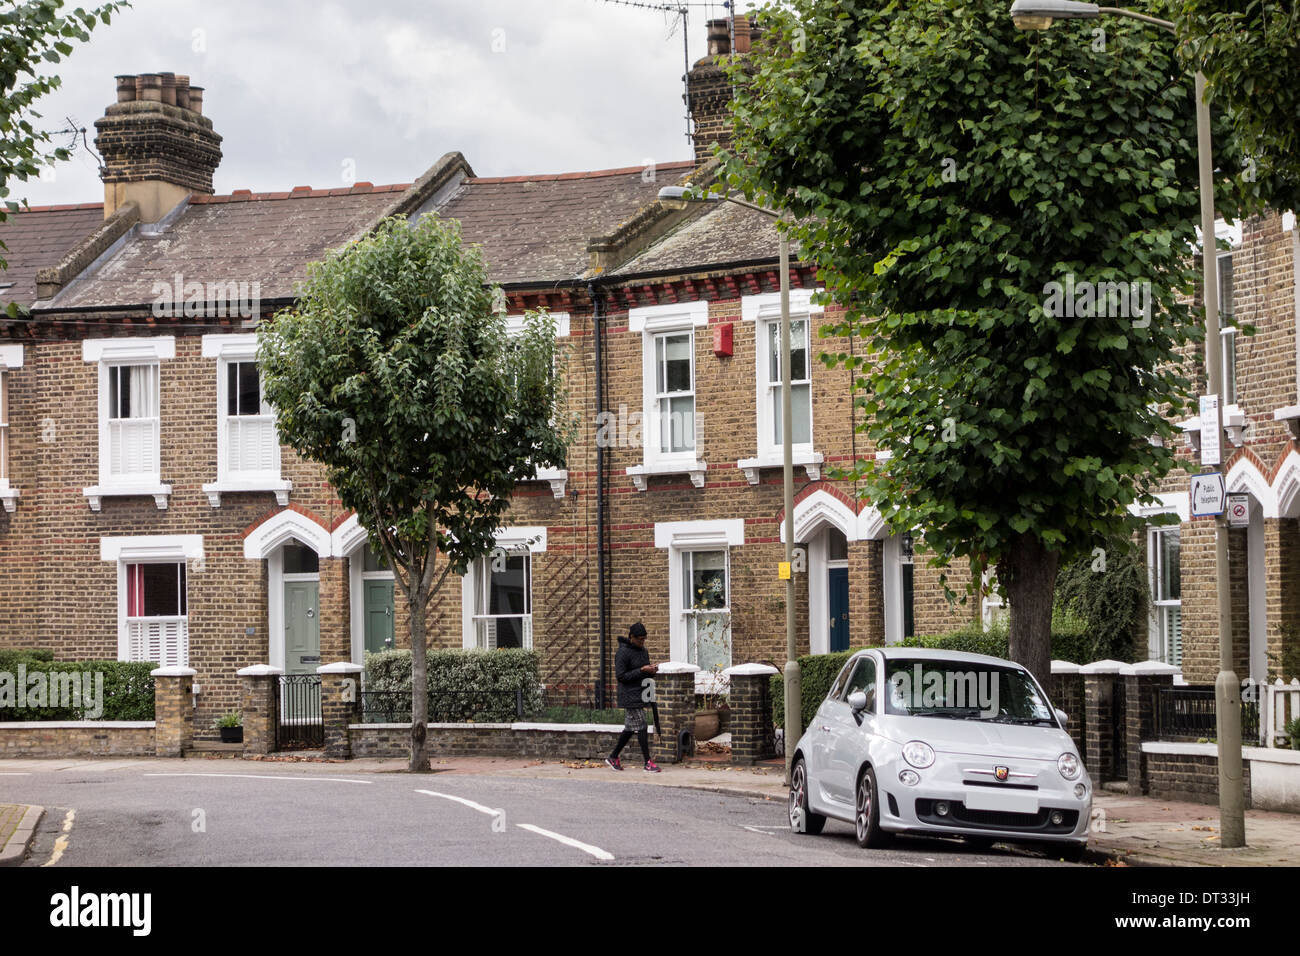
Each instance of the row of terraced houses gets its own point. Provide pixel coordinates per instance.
(150, 512)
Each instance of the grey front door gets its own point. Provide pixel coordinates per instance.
(379, 615)
(301, 627)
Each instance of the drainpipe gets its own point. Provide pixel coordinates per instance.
(598, 336)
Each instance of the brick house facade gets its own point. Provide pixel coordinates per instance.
(149, 509)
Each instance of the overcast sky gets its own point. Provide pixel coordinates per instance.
(297, 88)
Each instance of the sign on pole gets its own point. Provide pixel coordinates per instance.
(1210, 432)
(1238, 511)
(1209, 497)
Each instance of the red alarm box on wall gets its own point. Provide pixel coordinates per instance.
(722, 337)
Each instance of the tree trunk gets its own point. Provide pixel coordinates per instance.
(419, 685)
(1028, 574)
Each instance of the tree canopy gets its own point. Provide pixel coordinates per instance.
(962, 185)
(1249, 51)
(395, 371)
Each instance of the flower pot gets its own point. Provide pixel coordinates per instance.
(232, 735)
(707, 725)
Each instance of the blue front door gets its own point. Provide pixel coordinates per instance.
(838, 579)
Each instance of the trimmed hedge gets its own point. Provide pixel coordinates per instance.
(1070, 642)
(578, 715)
(10, 657)
(476, 684)
(128, 690)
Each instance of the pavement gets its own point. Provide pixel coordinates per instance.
(17, 827)
(1128, 830)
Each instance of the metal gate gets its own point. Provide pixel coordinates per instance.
(298, 721)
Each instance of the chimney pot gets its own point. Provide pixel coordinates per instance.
(148, 87)
(182, 91)
(719, 38)
(125, 88)
(742, 33)
(196, 99)
(168, 88)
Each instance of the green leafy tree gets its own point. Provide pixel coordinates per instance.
(1249, 51)
(394, 372)
(33, 34)
(943, 170)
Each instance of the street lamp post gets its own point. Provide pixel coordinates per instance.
(680, 196)
(1038, 15)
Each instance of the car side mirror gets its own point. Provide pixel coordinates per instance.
(1062, 717)
(858, 701)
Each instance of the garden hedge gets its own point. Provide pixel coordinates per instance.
(465, 684)
(128, 690)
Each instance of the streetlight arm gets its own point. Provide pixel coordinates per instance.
(1134, 15)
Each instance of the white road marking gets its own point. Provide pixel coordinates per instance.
(595, 851)
(14, 773)
(469, 803)
(259, 776)
(61, 843)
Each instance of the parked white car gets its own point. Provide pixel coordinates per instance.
(913, 740)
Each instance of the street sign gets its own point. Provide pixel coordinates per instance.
(1238, 511)
(1208, 495)
(1210, 433)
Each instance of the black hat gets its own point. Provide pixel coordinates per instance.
(636, 630)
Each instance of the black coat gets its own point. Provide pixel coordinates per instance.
(627, 668)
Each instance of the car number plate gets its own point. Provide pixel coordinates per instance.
(1005, 801)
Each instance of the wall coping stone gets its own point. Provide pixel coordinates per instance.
(78, 725)
(340, 667)
(751, 670)
(1103, 667)
(259, 670)
(677, 667)
(1262, 754)
(174, 672)
(569, 728)
(1064, 667)
(1149, 668)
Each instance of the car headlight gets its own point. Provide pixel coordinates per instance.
(919, 755)
(1068, 764)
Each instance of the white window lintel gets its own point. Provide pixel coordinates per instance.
(700, 535)
(768, 305)
(11, 357)
(660, 318)
(146, 548)
(137, 349)
(241, 346)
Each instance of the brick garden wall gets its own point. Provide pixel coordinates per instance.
(77, 739)
(1190, 777)
(478, 740)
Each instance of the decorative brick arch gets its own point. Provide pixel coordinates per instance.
(1247, 475)
(275, 530)
(820, 504)
(1286, 484)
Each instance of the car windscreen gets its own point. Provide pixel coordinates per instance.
(964, 690)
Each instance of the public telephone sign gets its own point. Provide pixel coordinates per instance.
(1209, 496)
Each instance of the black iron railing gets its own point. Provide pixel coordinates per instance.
(1190, 713)
(445, 707)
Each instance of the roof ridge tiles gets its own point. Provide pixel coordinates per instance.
(298, 192)
(589, 174)
(66, 207)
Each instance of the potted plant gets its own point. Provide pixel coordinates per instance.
(231, 726)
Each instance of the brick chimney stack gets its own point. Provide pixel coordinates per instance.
(157, 145)
(709, 87)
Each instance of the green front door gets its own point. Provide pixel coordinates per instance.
(379, 615)
(301, 627)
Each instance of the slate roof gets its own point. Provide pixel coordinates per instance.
(244, 237)
(536, 228)
(725, 234)
(37, 239)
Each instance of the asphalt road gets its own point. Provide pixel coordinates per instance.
(108, 815)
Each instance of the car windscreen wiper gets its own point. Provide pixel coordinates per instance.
(953, 713)
(1008, 719)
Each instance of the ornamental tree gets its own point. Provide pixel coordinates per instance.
(395, 372)
(961, 184)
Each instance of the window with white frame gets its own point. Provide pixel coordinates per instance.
(771, 435)
(1164, 566)
(515, 325)
(670, 422)
(248, 445)
(699, 593)
(1227, 330)
(131, 424)
(497, 592)
(130, 417)
(153, 606)
(706, 606)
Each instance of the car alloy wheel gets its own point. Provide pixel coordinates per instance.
(802, 820)
(866, 821)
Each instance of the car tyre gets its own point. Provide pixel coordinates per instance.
(866, 818)
(798, 803)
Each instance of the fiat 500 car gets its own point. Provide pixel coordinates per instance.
(912, 740)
